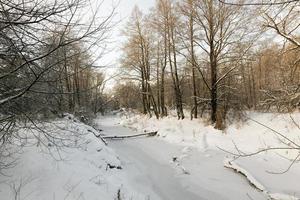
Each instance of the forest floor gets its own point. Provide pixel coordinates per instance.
(184, 161)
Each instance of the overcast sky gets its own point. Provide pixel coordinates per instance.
(126, 6)
(123, 13)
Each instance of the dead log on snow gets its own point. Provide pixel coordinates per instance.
(150, 134)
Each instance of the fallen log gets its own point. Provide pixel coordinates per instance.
(150, 134)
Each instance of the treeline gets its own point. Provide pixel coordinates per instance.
(48, 67)
(47, 64)
(211, 58)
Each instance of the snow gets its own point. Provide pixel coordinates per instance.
(229, 163)
(274, 183)
(248, 137)
(184, 161)
(149, 161)
(79, 171)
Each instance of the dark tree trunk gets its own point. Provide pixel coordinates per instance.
(162, 84)
(68, 85)
(143, 92)
(178, 94)
(214, 102)
(191, 21)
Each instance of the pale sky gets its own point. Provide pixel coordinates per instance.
(123, 13)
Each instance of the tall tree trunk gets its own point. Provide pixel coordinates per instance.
(213, 64)
(162, 93)
(67, 82)
(143, 92)
(214, 102)
(254, 87)
(178, 94)
(191, 22)
(162, 84)
(158, 81)
(195, 108)
(77, 85)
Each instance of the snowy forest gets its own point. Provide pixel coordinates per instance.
(150, 100)
(207, 56)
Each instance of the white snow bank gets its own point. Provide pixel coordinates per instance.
(283, 187)
(248, 137)
(229, 163)
(86, 169)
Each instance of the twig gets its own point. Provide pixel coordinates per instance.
(289, 167)
(278, 133)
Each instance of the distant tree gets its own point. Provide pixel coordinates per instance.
(127, 95)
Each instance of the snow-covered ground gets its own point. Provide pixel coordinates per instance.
(263, 170)
(168, 171)
(185, 161)
(83, 170)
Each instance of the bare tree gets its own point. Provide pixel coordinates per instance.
(25, 73)
(256, 3)
(172, 21)
(188, 10)
(284, 20)
(137, 59)
(160, 25)
(221, 27)
(208, 55)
